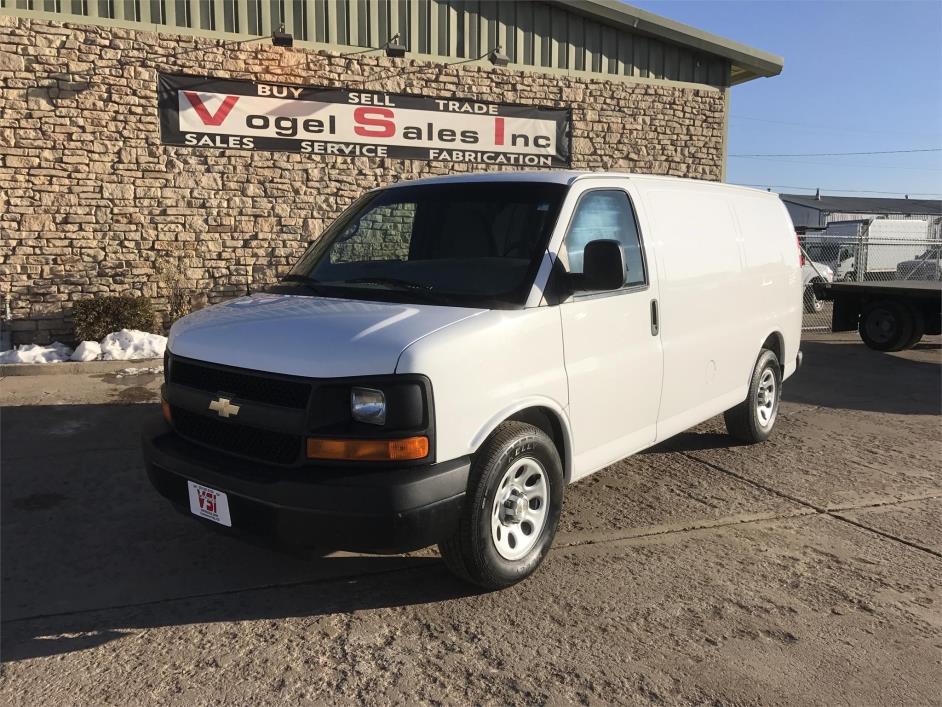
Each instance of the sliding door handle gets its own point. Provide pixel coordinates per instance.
(655, 327)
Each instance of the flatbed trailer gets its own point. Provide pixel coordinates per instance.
(890, 316)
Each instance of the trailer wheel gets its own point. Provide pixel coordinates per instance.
(919, 328)
(886, 325)
(512, 508)
(753, 419)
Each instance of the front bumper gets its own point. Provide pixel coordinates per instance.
(365, 510)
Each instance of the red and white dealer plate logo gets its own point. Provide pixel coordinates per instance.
(209, 503)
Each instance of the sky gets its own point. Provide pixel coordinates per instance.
(858, 77)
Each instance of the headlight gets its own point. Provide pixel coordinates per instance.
(368, 405)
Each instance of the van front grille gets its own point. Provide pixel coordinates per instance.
(244, 385)
(264, 445)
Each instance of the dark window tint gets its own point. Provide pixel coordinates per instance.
(462, 243)
(383, 233)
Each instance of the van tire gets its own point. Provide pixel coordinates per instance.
(746, 422)
(472, 552)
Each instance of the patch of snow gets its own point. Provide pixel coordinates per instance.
(87, 351)
(124, 345)
(138, 371)
(33, 353)
(129, 344)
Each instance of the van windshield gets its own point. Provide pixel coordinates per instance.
(461, 244)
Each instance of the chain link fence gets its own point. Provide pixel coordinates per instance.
(866, 251)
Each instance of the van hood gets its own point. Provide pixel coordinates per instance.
(317, 337)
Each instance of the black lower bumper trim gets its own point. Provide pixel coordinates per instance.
(388, 510)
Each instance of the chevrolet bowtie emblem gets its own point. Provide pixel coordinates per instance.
(224, 407)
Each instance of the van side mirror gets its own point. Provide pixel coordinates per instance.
(603, 266)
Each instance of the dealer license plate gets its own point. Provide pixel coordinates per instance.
(209, 503)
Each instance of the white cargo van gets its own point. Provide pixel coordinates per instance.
(452, 352)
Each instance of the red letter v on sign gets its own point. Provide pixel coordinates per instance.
(204, 114)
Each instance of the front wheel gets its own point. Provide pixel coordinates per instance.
(512, 508)
(753, 419)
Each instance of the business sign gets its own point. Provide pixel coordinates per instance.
(243, 115)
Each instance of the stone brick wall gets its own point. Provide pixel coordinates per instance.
(91, 203)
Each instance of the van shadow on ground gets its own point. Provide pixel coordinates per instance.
(88, 546)
(850, 376)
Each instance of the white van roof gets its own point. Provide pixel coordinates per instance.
(565, 176)
(552, 177)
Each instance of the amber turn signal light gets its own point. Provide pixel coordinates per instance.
(165, 406)
(374, 450)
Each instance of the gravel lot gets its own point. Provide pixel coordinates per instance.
(804, 570)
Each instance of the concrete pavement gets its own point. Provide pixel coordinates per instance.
(804, 570)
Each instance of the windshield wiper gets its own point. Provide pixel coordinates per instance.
(392, 281)
(292, 277)
(312, 283)
(425, 292)
(416, 288)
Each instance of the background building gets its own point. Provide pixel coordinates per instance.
(93, 200)
(815, 212)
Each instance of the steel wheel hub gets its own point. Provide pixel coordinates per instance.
(514, 508)
(520, 508)
(766, 398)
(881, 325)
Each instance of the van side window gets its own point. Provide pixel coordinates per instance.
(606, 214)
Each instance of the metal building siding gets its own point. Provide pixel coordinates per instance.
(804, 216)
(530, 33)
(888, 217)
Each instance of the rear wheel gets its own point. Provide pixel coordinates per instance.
(886, 325)
(512, 508)
(919, 328)
(753, 419)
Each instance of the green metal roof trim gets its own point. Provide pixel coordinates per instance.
(596, 38)
(747, 62)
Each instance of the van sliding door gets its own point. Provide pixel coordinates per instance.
(708, 348)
